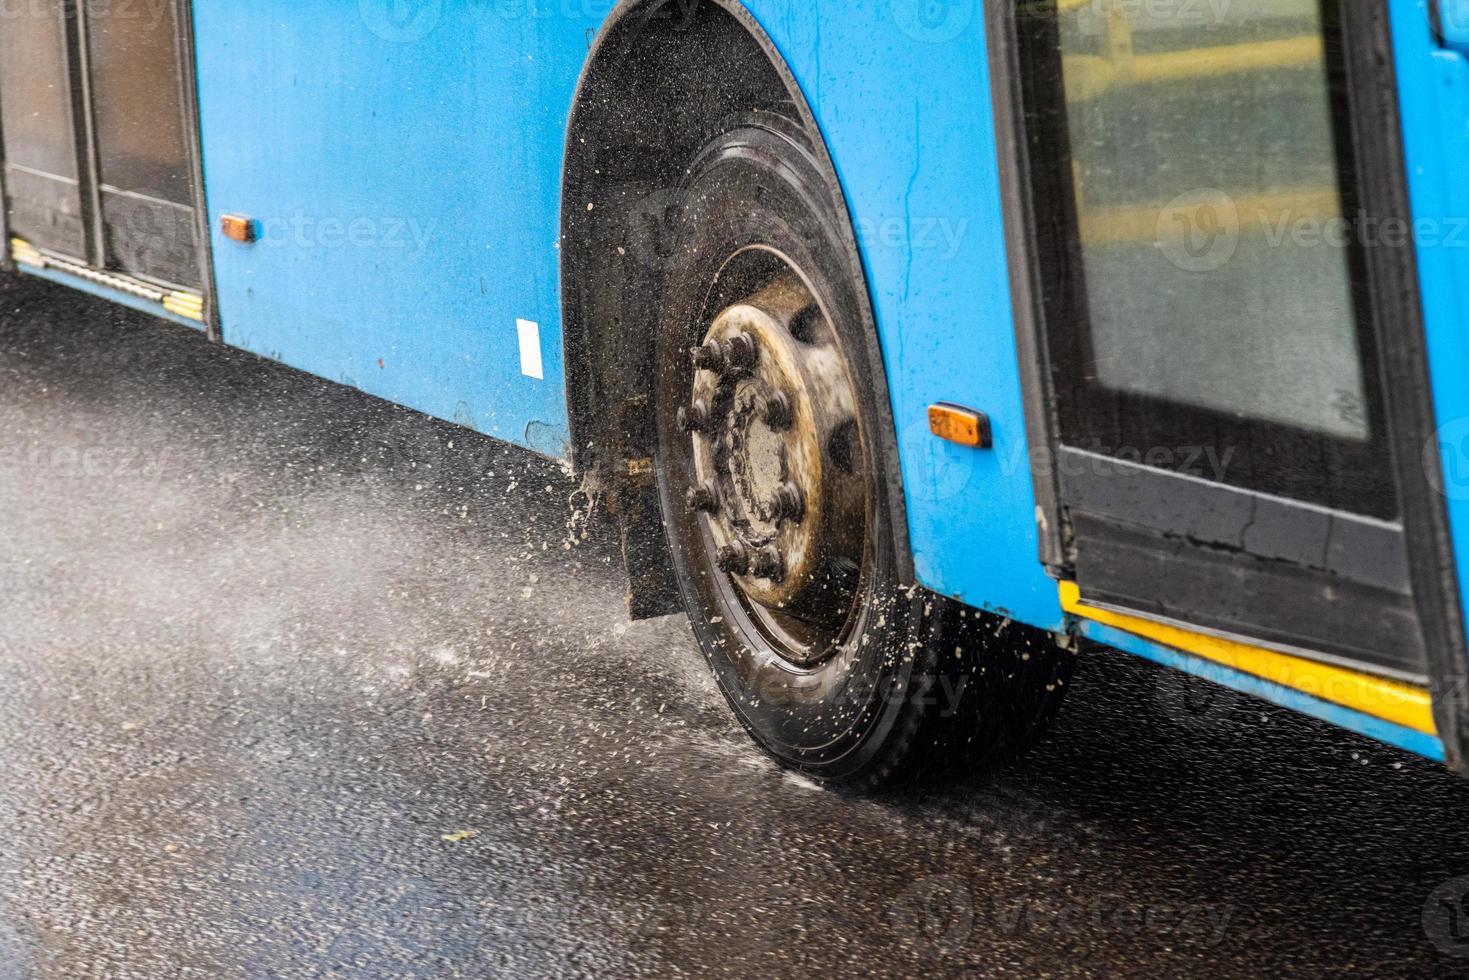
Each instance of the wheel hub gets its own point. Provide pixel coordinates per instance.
(772, 416)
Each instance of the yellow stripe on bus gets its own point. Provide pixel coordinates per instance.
(185, 304)
(1402, 704)
(25, 253)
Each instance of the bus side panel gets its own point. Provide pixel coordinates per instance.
(447, 128)
(403, 165)
(903, 99)
(1433, 86)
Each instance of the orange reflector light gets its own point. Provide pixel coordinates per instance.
(960, 425)
(237, 227)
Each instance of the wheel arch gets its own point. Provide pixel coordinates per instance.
(661, 77)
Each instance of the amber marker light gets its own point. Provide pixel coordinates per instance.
(960, 425)
(238, 228)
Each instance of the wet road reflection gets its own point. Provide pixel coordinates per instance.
(266, 643)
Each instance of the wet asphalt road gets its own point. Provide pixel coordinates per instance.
(265, 643)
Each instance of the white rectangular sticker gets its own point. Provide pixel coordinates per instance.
(530, 349)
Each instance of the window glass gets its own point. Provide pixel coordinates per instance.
(1205, 171)
(136, 96)
(35, 109)
(41, 190)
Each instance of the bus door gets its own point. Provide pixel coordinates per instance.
(1203, 222)
(100, 159)
(42, 178)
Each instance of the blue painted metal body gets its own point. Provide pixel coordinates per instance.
(1434, 87)
(439, 139)
(406, 175)
(404, 163)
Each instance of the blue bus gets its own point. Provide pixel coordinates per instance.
(918, 346)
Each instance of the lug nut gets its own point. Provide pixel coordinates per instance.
(734, 559)
(789, 503)
(778, 413)
(768, 563)
(695, 417)
(702, 499)
(740, 353)
(709, 357)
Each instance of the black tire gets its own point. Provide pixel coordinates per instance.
(913, 685)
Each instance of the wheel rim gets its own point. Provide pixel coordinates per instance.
(772, 436)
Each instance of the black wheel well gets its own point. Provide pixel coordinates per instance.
(663, 78)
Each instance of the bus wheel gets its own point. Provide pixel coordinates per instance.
(769, 403)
